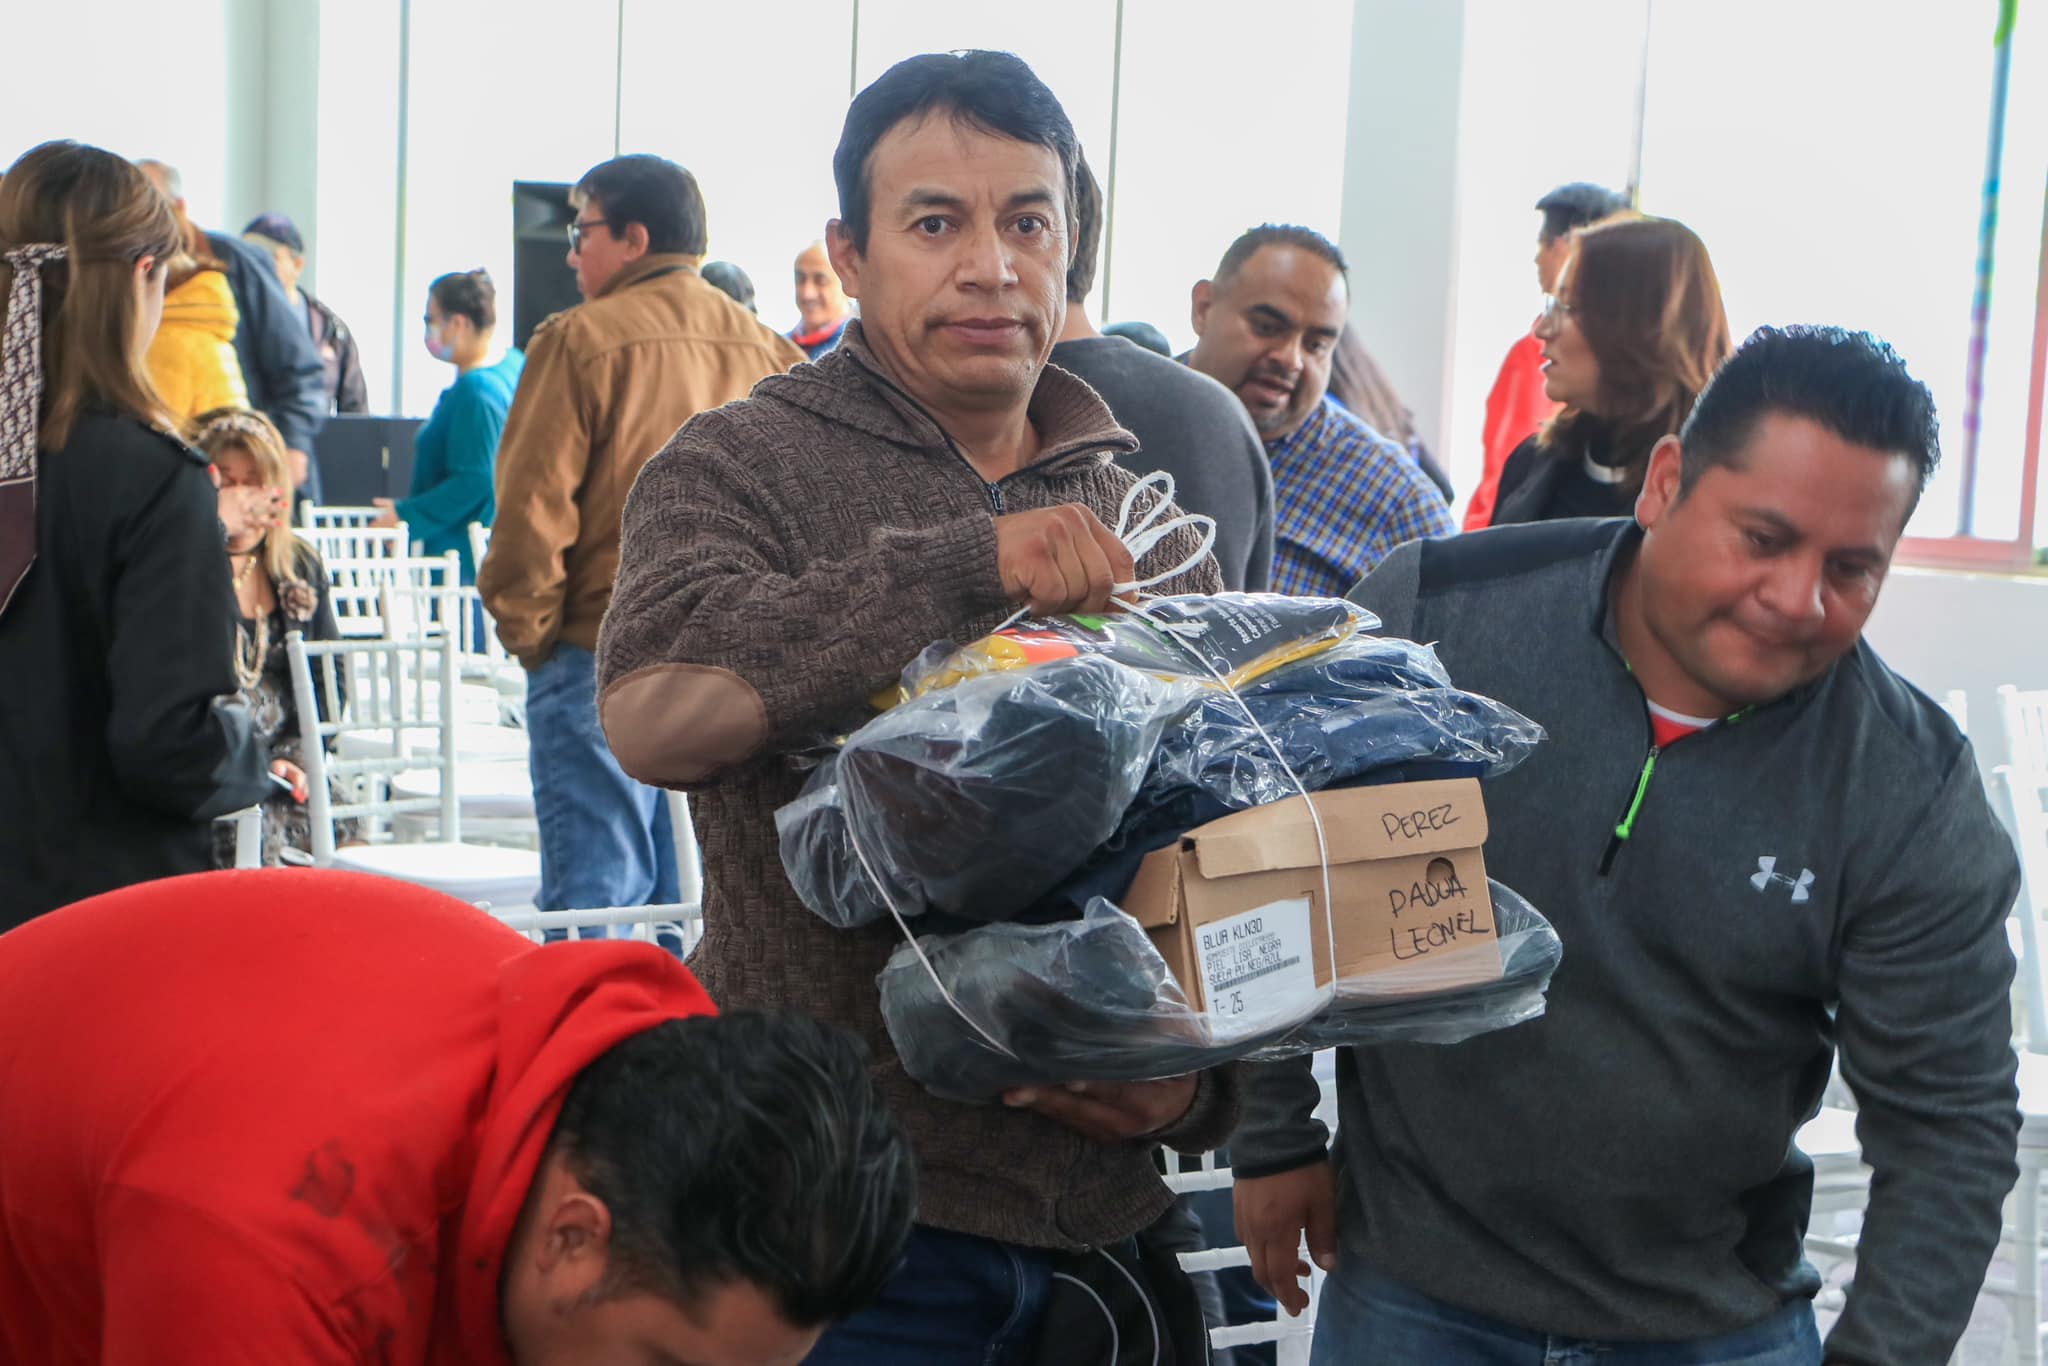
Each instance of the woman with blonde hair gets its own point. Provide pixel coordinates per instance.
(116, 620)
(1629, 340)
(192, 358)
(280, 587)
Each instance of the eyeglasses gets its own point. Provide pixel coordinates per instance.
(577, 229)
(1556, 310)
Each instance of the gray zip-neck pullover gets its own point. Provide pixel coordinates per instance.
(1823, 872)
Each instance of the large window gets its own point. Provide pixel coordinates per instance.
(143, 84)
(1542, 103)
(758, 141)
(499, 90)
(1225, 120)
(1835, 172)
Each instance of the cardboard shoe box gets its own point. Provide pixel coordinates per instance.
(1236, 908)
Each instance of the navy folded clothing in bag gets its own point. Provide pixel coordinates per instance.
(981, 799)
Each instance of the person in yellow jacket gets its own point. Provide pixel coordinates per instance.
(192, 359)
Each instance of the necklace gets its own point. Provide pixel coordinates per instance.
(248, 568)
(252, 643)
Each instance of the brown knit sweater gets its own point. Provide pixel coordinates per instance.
(783, 558)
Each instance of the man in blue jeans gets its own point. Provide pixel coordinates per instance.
(1761, 848)
(606, 385)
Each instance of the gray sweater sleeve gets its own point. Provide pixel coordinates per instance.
(1258, 567)
(1925, 1036)
(1390, 591)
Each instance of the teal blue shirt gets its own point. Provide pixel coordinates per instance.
(454, 468)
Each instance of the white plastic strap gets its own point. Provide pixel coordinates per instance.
(1140, 539)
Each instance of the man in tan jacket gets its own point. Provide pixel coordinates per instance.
(606, 385)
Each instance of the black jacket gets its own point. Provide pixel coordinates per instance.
(1539, 486)
(116, 750)
(1824, 874)
(342, 360)
(280, 363)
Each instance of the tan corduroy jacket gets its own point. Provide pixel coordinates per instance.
(606, 385)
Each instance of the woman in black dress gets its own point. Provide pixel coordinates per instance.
(1629, 340)
(280, 587)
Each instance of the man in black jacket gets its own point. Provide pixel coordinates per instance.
(1758, 845)
(280, 365)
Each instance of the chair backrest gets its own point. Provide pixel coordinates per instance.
(479, 543)
(248, 826)
(2027, 817)
(2024, 714)
(359, 542)
(675, 927)
(314, 517)
(356, 591)
(1956, 702)
(1289, 1335)
(422, 598)
(392, 688)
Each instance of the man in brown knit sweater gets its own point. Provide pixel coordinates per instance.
(786, 555)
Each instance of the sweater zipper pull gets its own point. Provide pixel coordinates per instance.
(1628, 817)
(995, 497)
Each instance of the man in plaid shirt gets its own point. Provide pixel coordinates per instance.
(1343, 495)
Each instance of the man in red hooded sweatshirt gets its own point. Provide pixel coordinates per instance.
(316, 1117)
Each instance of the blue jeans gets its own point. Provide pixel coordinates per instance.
(1364, 1320)
(955, 1301)
(604, 838)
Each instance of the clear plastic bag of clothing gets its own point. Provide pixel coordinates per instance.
(1071, 748)
(1092, 1000)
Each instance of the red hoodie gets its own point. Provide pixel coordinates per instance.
(285, 1116)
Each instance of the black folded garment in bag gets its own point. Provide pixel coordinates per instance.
(978, 799)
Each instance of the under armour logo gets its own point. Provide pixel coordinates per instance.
(1767, 873)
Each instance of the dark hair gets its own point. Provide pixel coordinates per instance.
(1087, 232)
(746, 1147)
(1575, 205)
(734, 281)
(1279, 235)
(1142, 334)
(467, 294)
(654, 192)
(107, 216)
(1851, 383)
(1645, 297)
(991, 91)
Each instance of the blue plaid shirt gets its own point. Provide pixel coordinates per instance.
(1343, 496)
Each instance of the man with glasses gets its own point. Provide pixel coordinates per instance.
(606, 384)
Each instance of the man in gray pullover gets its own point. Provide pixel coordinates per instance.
(1758, 845)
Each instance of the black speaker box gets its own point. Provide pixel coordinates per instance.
(542, 282)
